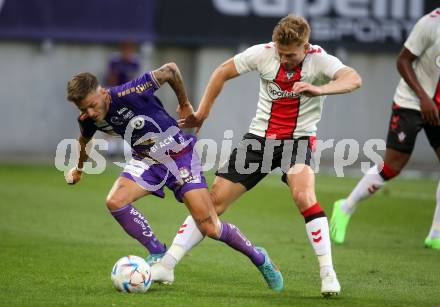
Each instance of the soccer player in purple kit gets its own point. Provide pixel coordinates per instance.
(162, 155)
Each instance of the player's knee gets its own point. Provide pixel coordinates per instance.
(395, 161)
(303, 199)
(395, 167)
(114, 203)
(210, 230)
(219, 205)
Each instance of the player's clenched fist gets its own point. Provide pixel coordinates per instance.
(73, 176)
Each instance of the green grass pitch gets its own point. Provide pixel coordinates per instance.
(58, 244)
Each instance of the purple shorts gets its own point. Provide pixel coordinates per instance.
(181, 174)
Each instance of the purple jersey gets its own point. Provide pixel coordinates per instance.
(186, 176)
(135, 112)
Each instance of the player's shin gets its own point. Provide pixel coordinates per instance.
(434, 233)
(232, 236)
(318, 234)
(186, 238)
(137, 226)
(372, 181)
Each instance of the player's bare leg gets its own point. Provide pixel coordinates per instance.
(124, 191)
(375, 179)
(198, 202)
(433, 238)
(222, 194)
(301, 180)
(119, 199)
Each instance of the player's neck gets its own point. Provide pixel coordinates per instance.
(294, 68)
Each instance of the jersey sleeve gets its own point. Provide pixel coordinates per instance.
(143, 85)
(87, 127)
(327, 64)
(420, 37)
(248, 60)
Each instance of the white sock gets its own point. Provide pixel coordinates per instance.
(319, 237)
(325, 265)
(186, 238)
(367, 186)
(435, 228)
(174, 254)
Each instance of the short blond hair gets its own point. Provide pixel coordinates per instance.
(291, 29)
(80, 86)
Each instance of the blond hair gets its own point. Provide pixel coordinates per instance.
(291, 29)
(80, 85)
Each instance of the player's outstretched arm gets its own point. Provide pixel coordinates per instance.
(345, 80)
(170, 73)
(74, 175)
(428, 108)
(221, 74)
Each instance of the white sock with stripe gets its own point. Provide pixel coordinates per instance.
(186, 238)
(372, 181)
(319, 237)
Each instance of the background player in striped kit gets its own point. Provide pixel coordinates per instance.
(416, 107)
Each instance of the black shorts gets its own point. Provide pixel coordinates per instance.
(405, 124)
(257, 156)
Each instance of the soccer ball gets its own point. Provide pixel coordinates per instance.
(131, 274)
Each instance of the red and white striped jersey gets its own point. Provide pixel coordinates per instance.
(424, 42)
(281, 114)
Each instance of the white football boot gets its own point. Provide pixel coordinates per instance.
(161, 274)
(329, 284)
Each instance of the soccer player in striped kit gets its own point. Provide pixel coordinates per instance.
(294, 80)
(416, 106)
